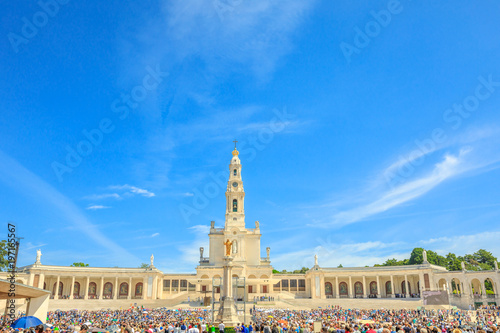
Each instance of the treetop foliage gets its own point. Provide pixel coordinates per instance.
(480, 260)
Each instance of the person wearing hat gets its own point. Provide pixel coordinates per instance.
(83, 329)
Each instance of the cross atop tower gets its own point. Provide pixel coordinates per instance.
(235, 143)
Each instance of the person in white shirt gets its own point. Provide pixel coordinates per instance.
(221, 327)
(203, 327)
(195, 329)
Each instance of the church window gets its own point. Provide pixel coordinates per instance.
(235, 172)
(235, 205)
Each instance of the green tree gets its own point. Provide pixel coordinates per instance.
(79, 264)
(4, 256)
(144, 265)
(275, 271)
(485, 259)
(340, 266)
(416, 256)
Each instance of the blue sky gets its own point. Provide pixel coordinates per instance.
(366, 128)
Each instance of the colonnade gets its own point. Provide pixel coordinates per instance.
(98, 287)
(366, 286)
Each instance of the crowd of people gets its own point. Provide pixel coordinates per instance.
(333, 319)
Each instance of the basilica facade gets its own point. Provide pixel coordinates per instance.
(464, 288)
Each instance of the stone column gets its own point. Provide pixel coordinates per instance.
(86, 291)
(72, 288)
(337, 290)
(350, 287)
(129, 296)
(378, 287)
(421, 283)
(364, 287)
(313, 287)
(159, 288)
(145, 287)
(321, 286)
(56, 294)
(393, 292)
(406, 286)
(41, 280)
(102, 288)
(31, 277)
(116, 289)
(483, 294)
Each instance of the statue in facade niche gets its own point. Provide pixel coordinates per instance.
(228, 245)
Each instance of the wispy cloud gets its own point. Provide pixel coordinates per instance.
(331, 253)
(255, 34)
(96, 207)
(190, 251)
(124, 192)
(474, 158)
(155, 234)
(103, 196)
(21, 179)
(129, 189)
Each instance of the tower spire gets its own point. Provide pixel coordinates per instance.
(235, 194)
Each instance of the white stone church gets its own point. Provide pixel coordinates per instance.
(138, 284)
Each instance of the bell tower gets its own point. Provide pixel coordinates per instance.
(235, 194)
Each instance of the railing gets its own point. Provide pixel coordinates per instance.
(491, 295)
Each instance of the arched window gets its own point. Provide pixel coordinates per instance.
(358, 288)
(92, 288)
(388, 288)
(138, 289)
(76, 289)
(124, 289)
(235, 205)
(328, 289)
(108, 289)
(235, 172)
(343, 288)
(373, 288)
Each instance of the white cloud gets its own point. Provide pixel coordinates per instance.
(103, 196)
(129, 189)
(255, 34)
(476, 157)
(190, 251)
(450, 166)
(331, 253)
(155, 234)
(96, 207)
(21, 179)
